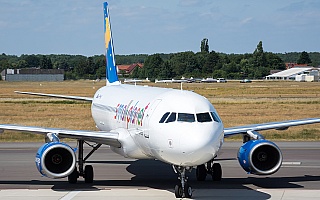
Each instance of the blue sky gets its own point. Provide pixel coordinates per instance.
(154, 26)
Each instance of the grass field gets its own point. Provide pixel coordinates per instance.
(237, 104)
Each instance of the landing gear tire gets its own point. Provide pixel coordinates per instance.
(84, 171)
(216, 172)
(182, 189)
(73, 177)
(178, 191)
(187, 191)
(201, 173)
(88, 174)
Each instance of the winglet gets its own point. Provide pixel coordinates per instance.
(111, 68)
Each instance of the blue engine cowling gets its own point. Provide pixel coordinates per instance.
(261, 157)
(55, 160)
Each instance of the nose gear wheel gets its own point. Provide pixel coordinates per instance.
(182, 189)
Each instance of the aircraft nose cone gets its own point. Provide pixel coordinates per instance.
(200, 149)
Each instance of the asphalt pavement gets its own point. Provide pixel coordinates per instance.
(120, 178)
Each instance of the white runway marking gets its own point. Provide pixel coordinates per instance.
(291, 163)
(70, 195)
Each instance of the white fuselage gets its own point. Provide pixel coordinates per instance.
(138, 114)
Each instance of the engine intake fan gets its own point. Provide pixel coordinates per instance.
(55, 160)
(260, 157)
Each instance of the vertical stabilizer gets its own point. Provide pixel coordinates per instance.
(111, 69)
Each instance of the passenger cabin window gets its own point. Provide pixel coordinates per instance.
(164, 117)
(215, 117)
(186, 117)
(171, 118)
(204, 117)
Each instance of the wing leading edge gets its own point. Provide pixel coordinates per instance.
(101, 137)
(266, 126)
(57, 96)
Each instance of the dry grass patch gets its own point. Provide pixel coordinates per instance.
(237, 104)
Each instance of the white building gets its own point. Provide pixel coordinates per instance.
(297, 74)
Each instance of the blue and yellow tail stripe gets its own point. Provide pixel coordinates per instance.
(111, 69)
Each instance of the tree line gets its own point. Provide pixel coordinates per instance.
(201, 64)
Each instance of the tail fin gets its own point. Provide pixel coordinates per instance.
(111, 69)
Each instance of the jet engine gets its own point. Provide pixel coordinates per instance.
(260, 157)
(55, 160)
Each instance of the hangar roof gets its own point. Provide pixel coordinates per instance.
(291, 72)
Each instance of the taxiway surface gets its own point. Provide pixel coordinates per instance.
(120, 178)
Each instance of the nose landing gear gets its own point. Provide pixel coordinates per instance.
(182, 189)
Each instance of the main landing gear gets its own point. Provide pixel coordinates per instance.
(214, 169)
(87, 171)
(182, 189)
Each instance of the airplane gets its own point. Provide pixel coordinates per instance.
(175, 126)
(173, 81)
(132, 81)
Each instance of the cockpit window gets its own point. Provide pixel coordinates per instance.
(164, 117)
(172, 117)
(186, 117)
(204, 117)
(215, 117)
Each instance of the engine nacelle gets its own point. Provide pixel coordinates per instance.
(55, 160)
(261, 157)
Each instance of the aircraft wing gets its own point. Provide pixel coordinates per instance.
(101, 137)
(266, 126)
(57, 96)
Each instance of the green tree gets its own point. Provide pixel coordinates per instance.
(80, 67)
(204, 45)
(274, 61)
(4, 63)
(166, 71)
(219, 73)
(22, 64)
(190, 62)
(90, 69)
(259, 56)
(244, 67)
(232, 67)
(136, 73)
(45, 63)
(99, 66)
(212, 63)
(260, 72)
(152, 66)
(62, 64)
(101, 72)
(304, 58)
(32, 61)
(184, 63)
